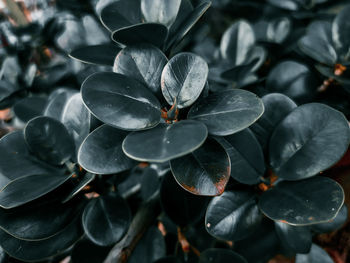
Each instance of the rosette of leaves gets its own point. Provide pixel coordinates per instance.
(284, 179)
(160, 23)
(328, 43)
(42, 186)
(239, 57)
(138, 127)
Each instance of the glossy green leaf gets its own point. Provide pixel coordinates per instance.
(160, 11)
(247, 158)
(165, 142)
(277, 107)
(220, 255)
(296, 238)
(103, 54)
(76, 118)
(340, 29)
(227, 112)
(17, 162)
(237, 41)
(333, 224)
(305, 202)
(318, 44)
(188, 22)
(150, 248)
(183, 79)
(293, 79)
(142, 62)
(204, 171)
(106, 219)
(120, 101)
(101, 152)
(34, 251)
(29, 108)
(151, 33)
(316, 255)
(122, 13)
(182, 207)
(233, 216)
(49, 139)
(28, 188)
(309, 140)
(39, 221)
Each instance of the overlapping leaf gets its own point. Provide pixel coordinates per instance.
(233, 216)
(120, 101)
(183, 79)
(227, 112)
(309, 140)
(142, 62)
(204, 171)
(165, 142)
(305, 202)
(106, 219)
(101, 152)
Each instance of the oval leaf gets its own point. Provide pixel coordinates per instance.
(309, 201)
(233, 215)
(204, 171)
(38, 222)
(309, 140)
(165, 142)
(99, 54)
(43, 249)
(120, 101)
(247, 158)
(101, 152)
(237, 41)
(151, 33)
(183, 79)
(16, 161)
(28, 188)
(142, 62)
(227, 112)
(49, 140)
(106, 219)
(293, 79)
(160, 11)
(220, 255)
(318, 44)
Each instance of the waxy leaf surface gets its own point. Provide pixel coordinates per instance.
(227, 112)
(120, 101)
(204, 171)
(165, 142)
